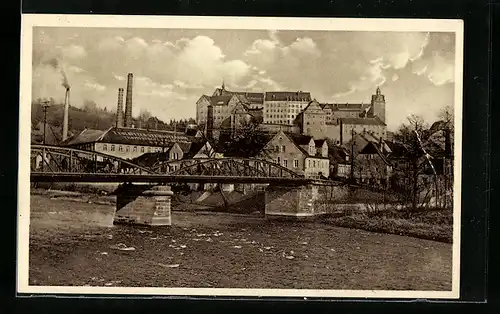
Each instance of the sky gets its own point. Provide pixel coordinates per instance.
(173, 67)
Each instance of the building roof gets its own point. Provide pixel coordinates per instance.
(130, 136)
(194, 149)
(337, 154)
(245, 97)
(84, 137)
(363, 121)
(319, 143)
(220, 100)
(251, 97)
(290, 96)
(345, 107)
(299, 139)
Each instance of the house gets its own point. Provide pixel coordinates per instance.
(298, 153)
(370, 163)
(340, 162)
(170, 153)
(128, 143)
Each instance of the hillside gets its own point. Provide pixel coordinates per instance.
(93, 117)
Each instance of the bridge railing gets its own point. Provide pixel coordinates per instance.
(56, 159)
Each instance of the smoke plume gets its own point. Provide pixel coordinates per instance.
(55, 64)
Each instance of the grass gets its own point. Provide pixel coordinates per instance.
(430, 224)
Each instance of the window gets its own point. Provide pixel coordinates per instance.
(120, 148)
(104, 147)
(277, 148)
(295, 163)
(309, 163)
(142, 149)
(112, 148)
(127, 148)
(314, 163)
(283, 148)
(135, 149)
(285, 163)
(279, 161)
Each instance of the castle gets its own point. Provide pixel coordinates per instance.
(292, 112)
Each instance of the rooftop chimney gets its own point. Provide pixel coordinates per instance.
(128, 101)
(65, 117)
(119, 109)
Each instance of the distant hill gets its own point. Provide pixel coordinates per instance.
(93, 117)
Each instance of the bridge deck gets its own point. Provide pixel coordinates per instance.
(159, 178)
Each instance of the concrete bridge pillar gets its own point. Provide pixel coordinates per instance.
(144, 205)
(295, 202)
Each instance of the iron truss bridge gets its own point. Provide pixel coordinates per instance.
(62, 164)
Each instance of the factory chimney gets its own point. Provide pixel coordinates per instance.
(128, 101)
(210, 121)
(119, 109)
(66, 113)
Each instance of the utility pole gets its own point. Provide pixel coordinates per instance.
(45, 106)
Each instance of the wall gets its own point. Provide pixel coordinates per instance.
(201, 110)
(127, 151)
(302, 201)
(332, 132)
(275, 128)
(313, 166)
(282, 112)
(314, 124)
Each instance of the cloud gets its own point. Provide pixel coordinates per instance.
(75, 69)
(95, 86)
(119, 77)
(74, 52)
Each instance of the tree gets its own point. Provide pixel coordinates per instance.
(414, 136)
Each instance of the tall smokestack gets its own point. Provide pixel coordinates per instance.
(119, 109)
(65, 117)
(210, 121)
(128, 101)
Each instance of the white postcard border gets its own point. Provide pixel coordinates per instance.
(197, 22)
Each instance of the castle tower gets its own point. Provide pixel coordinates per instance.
(378, 105)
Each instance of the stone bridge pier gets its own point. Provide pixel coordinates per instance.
(301, 202)
(143, 205)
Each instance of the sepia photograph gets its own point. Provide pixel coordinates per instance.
(300, 157)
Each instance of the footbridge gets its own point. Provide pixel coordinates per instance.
(287, 194)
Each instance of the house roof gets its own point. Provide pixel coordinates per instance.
(194, 149)
(319, 143)
(291, 96)
(372, 148)
(303, 140)
(363, 121)
(299, 139)
(130, 136)
(337, 153)
(84, 137)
